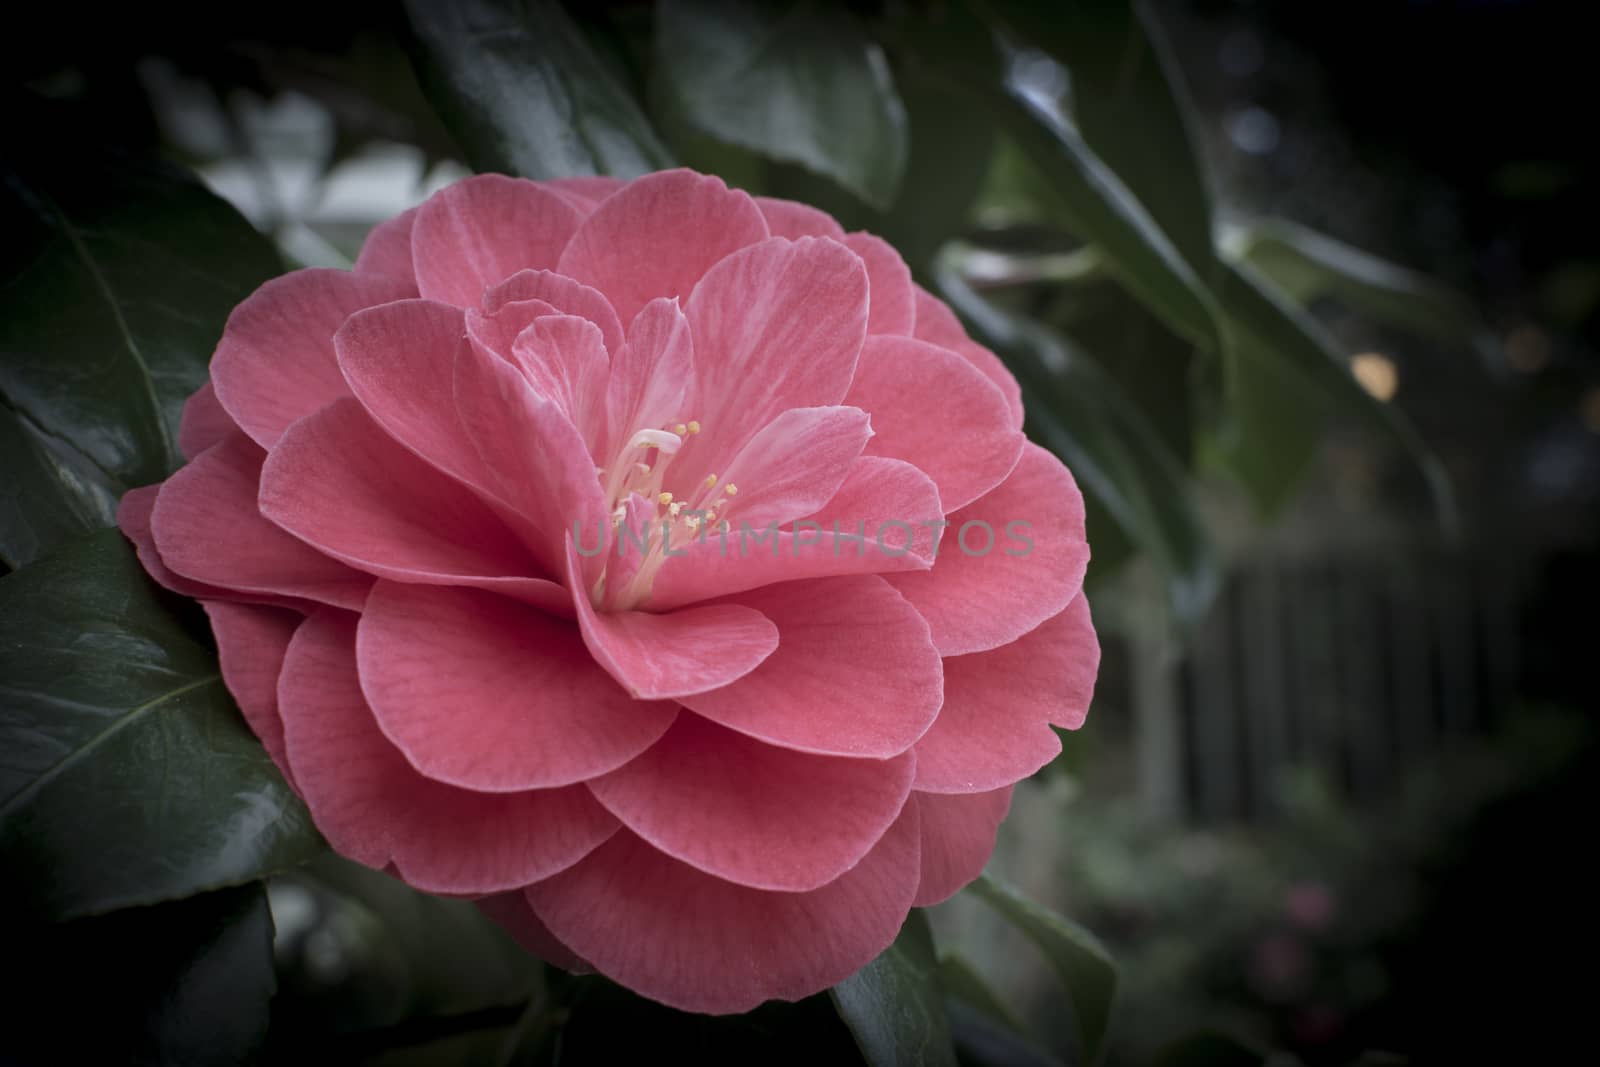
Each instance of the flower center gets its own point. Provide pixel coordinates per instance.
(649, 522)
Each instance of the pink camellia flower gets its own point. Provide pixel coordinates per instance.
(470, 523)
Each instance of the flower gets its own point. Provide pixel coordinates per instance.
(461, 520)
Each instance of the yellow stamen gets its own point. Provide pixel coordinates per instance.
(680, 429)
(711, 479)
(731, 489)
(694, 426)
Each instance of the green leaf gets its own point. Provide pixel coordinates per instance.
(1130, 106)
(186, 982)
(962, 982)
(128, 776)
(1090, 198)
(51, 493)
(798, 82)
(1117, 458)
(1210, 1049)
(405, 955)
(116, 278)
(894, 1005)
(523, 92)
(1077, 957)
(1306, 265)
(1285, 370)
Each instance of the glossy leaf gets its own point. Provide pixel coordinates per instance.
(894, 1005)
(186, 982)
(1077, 957)
(129, 777)
(1285, 368)
(962, 982)
(1131, 107)
(1090, 198)
(50, 495)
(1306, 266)
(117, 276)
(523, 92)
(1117, 458)
(799, 82)
(404, 956)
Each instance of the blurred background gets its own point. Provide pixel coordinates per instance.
(1333, 797)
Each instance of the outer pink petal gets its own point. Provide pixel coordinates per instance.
(994, 728)
(133, 518)
(658, 235)
(669, 656)
(855, 673)
(652, 377)
(480, 231)
(792, 219)
(698, 943)
(512, 912)
(957, 839)
(485, 693)
(565, 295)
(776, 326)
(792, 466)
(894, 300)
(585, 193)
(1077, 690)
(374, 808)
(751, 813)
(251, 642)
(938, 324)
(207, 528)
(387, 250)
(975, 601)
(858, 531)
(204, 422)
(338, 482)
(931, 408)
(275, 361)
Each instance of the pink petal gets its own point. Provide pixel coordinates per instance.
(931, 408)
(400, 363)
(511, 911)
(485, 693)
(976, 600)
(207, 528)
(854, 673)
(275, 361)
(563, 357)
(564, 295)
(894, 301)
(658, 235)
(958, 835)
(530, 456)
(652, 377)
(585, 193)
(938, 324)
(480, 231)
(251, 642)
(856, 532)
(776, 326)
(994, 728)
(792, 219)
(374, 808)
(793, 465)
(659, 657)
(1077, 689)
(338, 482)
(133, 518)
(204, 423)
(387, 250)
(751, 813)
(697, 943)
